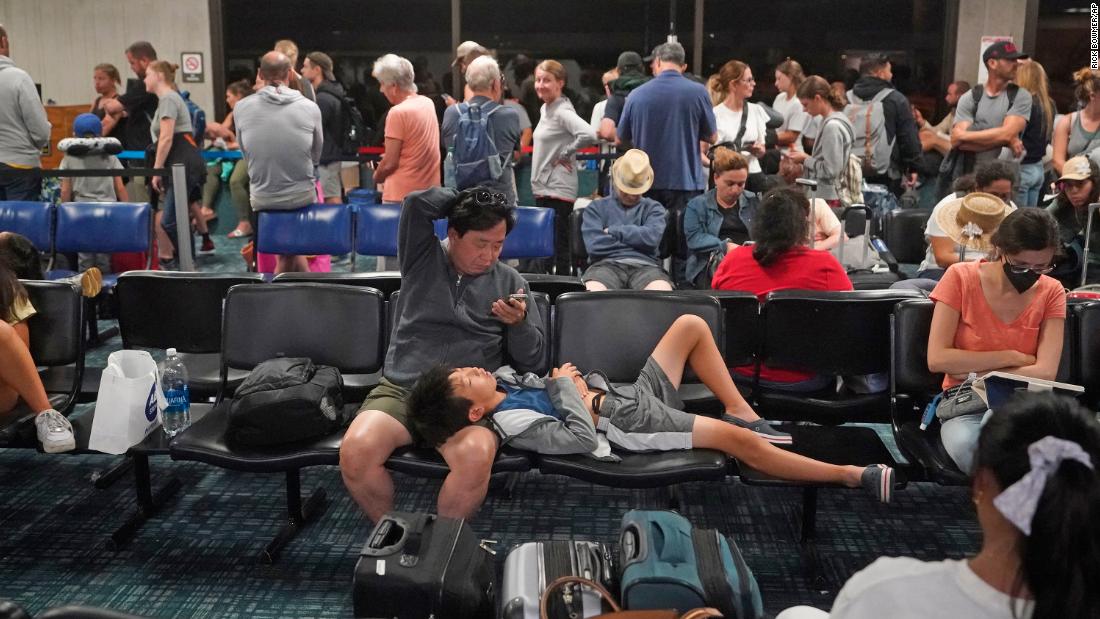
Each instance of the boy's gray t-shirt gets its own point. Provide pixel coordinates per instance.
(92, 189)
(171, 106)
(991, 111)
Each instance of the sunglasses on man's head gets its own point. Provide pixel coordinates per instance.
(484, 197)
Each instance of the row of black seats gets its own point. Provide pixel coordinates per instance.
(831, 333)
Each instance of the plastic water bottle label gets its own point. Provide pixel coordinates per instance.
(179, 399)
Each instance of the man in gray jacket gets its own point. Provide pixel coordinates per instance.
(281, 136)
(24, 130)
(456, 307)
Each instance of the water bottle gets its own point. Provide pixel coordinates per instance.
(173, 379)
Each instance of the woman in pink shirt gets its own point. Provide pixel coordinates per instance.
(411, 160)
(1004, 314)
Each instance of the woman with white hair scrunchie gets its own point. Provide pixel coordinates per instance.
(1037, 496)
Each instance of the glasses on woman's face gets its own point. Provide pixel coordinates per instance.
(1020, 269)
(1072, 185)
(751, 80)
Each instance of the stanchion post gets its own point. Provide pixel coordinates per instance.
(183, 219)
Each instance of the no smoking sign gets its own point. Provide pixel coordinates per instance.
(191, 67)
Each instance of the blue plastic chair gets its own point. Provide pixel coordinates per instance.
(311, 230)
(376, 229)
(33, 220)
(103, 227)
(531, 237)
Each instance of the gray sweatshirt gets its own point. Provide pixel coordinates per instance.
(446, 317)
(534, 431)
(830, 156)
(24, 130)
(281, 136)
(558, 136)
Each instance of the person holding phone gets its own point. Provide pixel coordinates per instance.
(460, 305)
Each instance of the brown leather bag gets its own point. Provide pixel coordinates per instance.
(616, 610)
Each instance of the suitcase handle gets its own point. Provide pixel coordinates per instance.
(409, 541)
(632, 545)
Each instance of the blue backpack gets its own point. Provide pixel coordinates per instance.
(198, 118)
(474, 160)
(667, 563)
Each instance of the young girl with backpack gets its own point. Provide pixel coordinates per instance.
(828, 164)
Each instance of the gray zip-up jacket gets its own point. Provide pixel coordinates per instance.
(24, 130)
(829, 161)
(534, 431)
(446, 318)
(281, 136)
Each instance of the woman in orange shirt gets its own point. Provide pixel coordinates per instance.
(1005, 314)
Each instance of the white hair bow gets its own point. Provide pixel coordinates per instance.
(1019, 501)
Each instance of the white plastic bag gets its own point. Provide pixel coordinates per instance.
(130, 402)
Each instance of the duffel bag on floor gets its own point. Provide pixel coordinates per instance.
(286, 400)
(419, 566)
(667, 563)
(530, 567)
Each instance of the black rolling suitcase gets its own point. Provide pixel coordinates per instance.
(419, 566)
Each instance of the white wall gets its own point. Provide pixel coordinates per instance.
(59, 41)
(985, 17)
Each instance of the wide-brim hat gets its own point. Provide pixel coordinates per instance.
(631, 173)
(971, 220)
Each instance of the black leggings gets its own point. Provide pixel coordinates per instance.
(562, 257)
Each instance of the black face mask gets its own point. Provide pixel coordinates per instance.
(1022, 282)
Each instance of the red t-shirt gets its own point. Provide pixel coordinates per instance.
(800, 269)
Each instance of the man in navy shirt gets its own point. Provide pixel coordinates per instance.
(667, 117)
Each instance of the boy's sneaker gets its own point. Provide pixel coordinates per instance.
(54, 432)
(207, 246)
(878, 479)
(761, 428)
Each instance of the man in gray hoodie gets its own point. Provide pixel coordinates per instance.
(456, 307)
(24, 130)
(280, 134)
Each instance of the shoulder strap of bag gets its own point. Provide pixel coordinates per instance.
(744, 123)
(712, 572)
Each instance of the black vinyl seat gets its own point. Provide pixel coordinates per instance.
(912, 387)
(294, 320)
(614, 332)
(56, 341)
(640, 470)
(903, 233)
(166, 309)
(553, 285)
(387, 282)
(1088, 351)
(829, 333)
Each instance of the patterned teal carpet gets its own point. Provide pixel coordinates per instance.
(199, 556)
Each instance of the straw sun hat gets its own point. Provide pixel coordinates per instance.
(971, 220)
